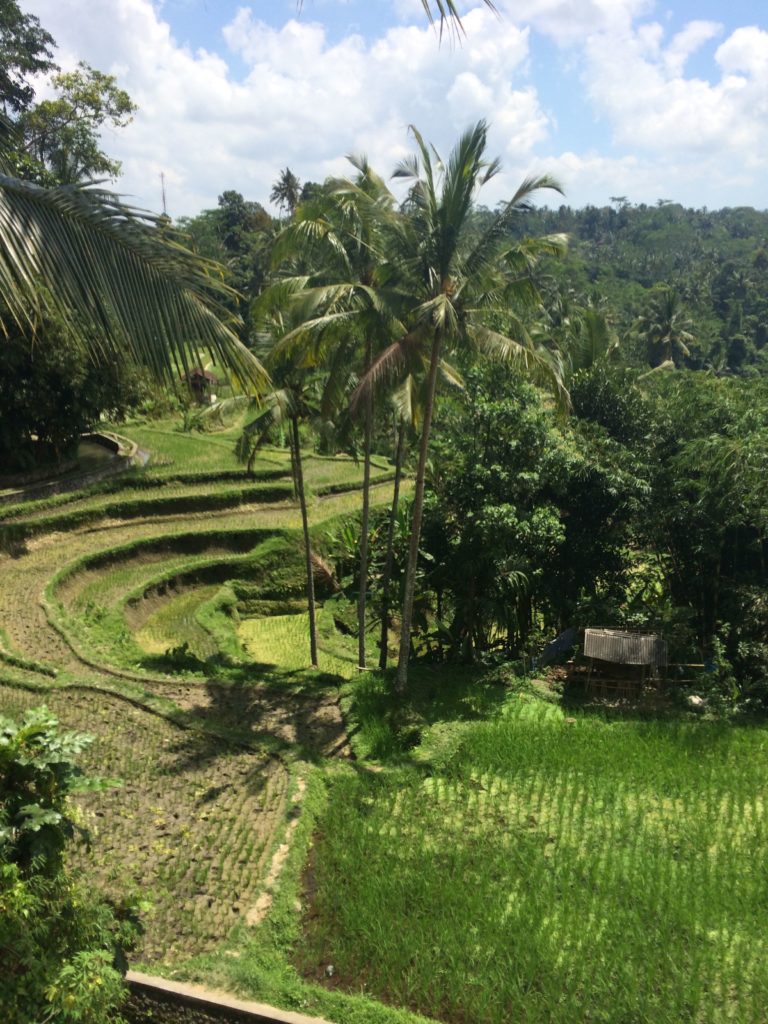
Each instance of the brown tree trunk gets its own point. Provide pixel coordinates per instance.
(362, 594)
(307, 542)
(387, 576)
(294, 475)
(401, 681)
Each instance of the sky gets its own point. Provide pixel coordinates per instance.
(636, 98)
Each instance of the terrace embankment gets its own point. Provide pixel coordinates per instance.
(97, 589)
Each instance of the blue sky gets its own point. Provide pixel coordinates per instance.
(614, 97)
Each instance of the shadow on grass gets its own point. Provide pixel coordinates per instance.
(651, 703)
(388, 725)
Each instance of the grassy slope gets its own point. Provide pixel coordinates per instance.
(204, 802)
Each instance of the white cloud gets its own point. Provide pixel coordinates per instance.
(746, 50)
(594, 177)
(685, 43)
(637, 82)
(299, 99)
(302, 101)
(567, 22)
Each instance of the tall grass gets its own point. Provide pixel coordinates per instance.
(540, 869)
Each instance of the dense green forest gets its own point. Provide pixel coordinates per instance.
(644, 507)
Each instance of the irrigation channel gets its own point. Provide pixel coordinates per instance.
(161, 612)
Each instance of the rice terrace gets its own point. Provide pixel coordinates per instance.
(552, 865)
(383, 566)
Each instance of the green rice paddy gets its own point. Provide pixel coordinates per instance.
(540, 868)
(283, 641)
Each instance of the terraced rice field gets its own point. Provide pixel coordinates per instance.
(117, 610)
(502, 861)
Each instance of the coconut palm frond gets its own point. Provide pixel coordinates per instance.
(668, 364)
(81, 254)
(450, 375)
(268, 308)
(306, 233)
(304, 344)
(386, 367)
(486, 249)
(278, 408)
(541, 365)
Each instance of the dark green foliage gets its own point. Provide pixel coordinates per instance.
(707, 515)
(714, 261)
(52, 392)
(58, 943)
(37, 774)
(526, 516)
(239, 233)
(25, 49)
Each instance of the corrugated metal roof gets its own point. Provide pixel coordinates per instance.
(625, 648)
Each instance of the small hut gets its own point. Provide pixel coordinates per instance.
(202, 383)
(622, 662)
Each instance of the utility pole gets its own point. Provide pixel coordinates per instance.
(162, 187)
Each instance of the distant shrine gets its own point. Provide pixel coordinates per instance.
(202, 384)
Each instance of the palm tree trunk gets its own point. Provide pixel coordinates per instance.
(387, 575)
(401, 681)
(361, 600)
(307, 544)
(294, 475)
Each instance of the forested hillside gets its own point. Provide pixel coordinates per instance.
(666, 269)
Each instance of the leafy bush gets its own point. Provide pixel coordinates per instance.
(60, 946)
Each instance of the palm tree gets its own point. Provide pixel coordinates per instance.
(583, 334)
(286, 192)
(78, 254)
(348, 315)
(665, 328)
(288, 405)
(463, 284)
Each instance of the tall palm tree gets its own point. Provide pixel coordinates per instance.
(288, 404)
(345, 310)
(286, 192)
(463, 286)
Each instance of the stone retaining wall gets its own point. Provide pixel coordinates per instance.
(157, 1001)
(126, 454)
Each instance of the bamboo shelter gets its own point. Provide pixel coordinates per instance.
(623, 662)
